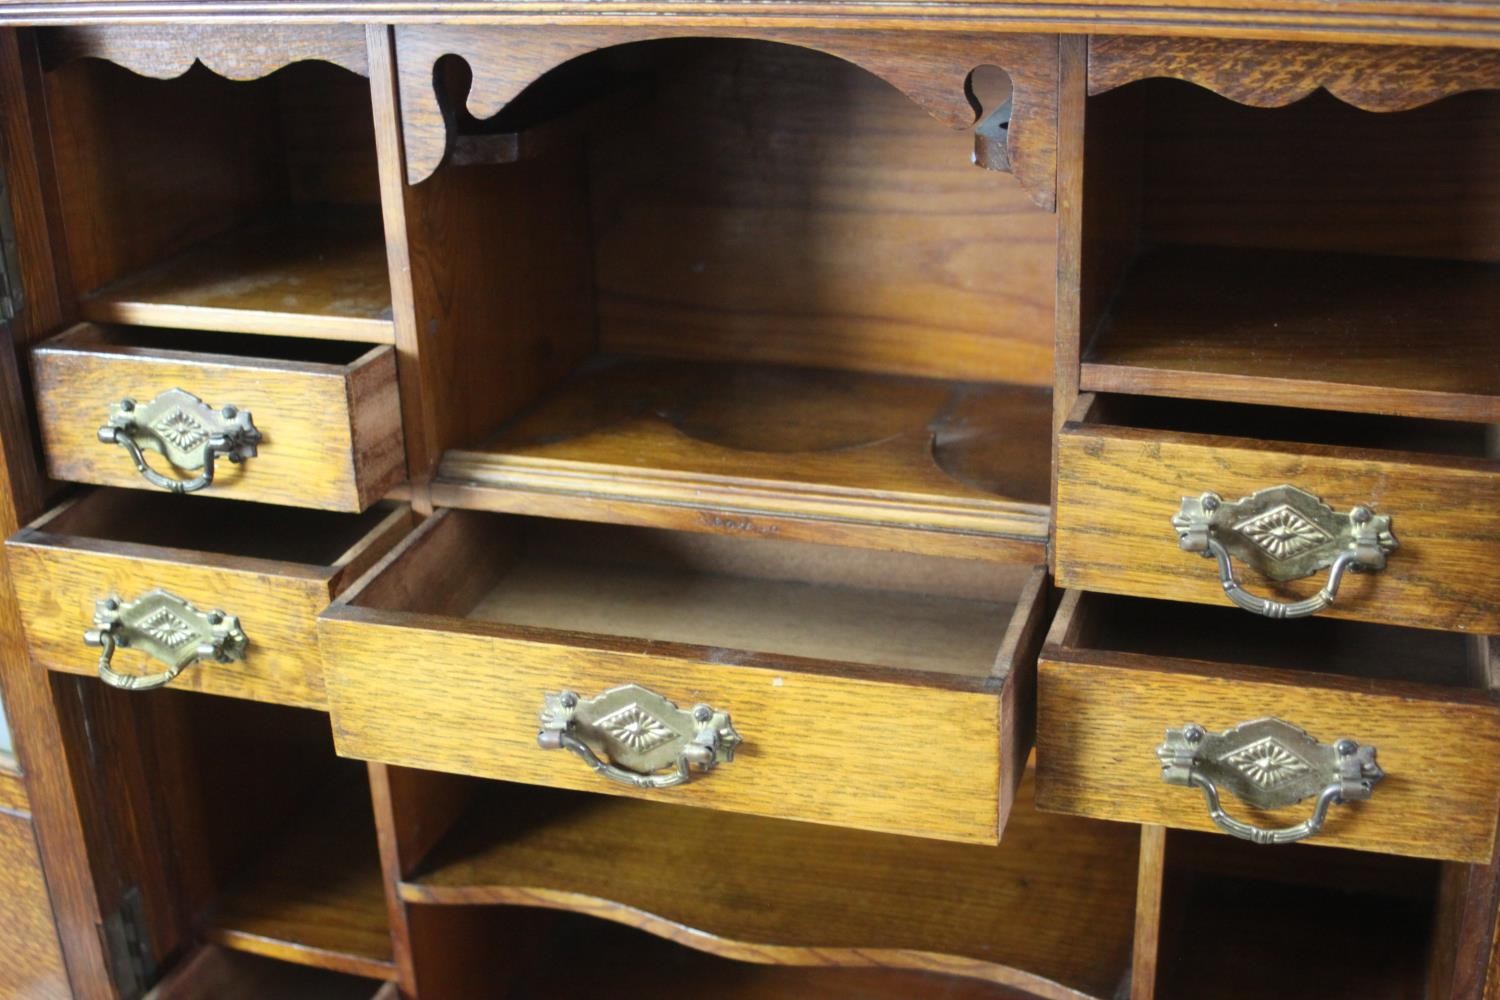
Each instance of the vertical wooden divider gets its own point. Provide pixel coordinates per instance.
(1072, 102)
(1148, 904)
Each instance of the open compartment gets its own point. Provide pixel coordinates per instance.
(1317, 255)
(810, 650)
(864, 912)
(265, 837)
(1117, 673)
(274, 568)
(208, 203)
(1239, 922)
(775, 297)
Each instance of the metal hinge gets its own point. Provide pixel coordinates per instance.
(11, 299)
(126, 945)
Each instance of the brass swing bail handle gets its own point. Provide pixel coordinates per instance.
(166, 628)
(1268, 764)
(186, 431)
(1285, 533)
(636, 737)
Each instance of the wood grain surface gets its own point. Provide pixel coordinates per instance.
(771, 891)
(238, 52)
(1275, 74)
(1102, 712)
(798, 715)
(331, 430)
(312, 275)
(934, 75)
(212, 971)
(743, 443)
(1409, 22)
(32, 964)
(58, 578)
(1119, 486)
(1330, 332)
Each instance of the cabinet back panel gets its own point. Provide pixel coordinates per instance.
(779, 205)
(1322, 175)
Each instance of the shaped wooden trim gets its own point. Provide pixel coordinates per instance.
(934, 74)
(236, 52)
(1275, 74)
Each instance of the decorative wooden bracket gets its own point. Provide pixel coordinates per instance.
(236, 52)
(1275, 74)
(1020, 138)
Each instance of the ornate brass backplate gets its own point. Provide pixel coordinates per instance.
(186, 431)
(1268, 764)
(630, 733)
(166, 628)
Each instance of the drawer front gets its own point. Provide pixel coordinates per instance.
(330, 434)
(842, 750)
(1100, 717)
(1118, 489)
(57, 586)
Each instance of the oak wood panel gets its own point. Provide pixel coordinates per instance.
(1411, 22)
(58, 578)
(1102, 712)
(1364, 334)
(31, 965)
(1320, 175)
(1119, 486)
(1275, 74)
(735, 447)
(331, 431)
(772, 891)
(1145, 953)
(316, 896)
(238, 52)
(824, 221)
(934, 75)
(311, 275)
(794, 712)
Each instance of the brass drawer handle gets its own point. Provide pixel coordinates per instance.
(1285, 533)
(186, 431)
(164, 627)
(640, 733)
(1268, 764)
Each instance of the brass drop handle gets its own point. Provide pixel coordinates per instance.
(1268, 763)
(166, 628)
(184, 429)
(636, 737)
(1285, 533)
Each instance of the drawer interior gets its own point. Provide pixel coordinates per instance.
(855, 606)
(1280, 423)
(1158, 628)
(852, 322)
(1345, 259)
(156, 342)
(226, 527)
(247, 205)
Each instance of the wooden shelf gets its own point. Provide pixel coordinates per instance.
(936, 466)
(319, 274)
(317, 897)
(1382, 335)
(213, 973)
(1049, 911)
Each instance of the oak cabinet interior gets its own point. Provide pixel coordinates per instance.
(755, 276)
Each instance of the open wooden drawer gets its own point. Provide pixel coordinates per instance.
(1130, 469)
(311, 423)
(270, 570)
(879, 691)
(1117, 673)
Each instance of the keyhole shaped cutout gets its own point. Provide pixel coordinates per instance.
(991, 95)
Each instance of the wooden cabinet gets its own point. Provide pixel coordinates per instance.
(629, 504)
